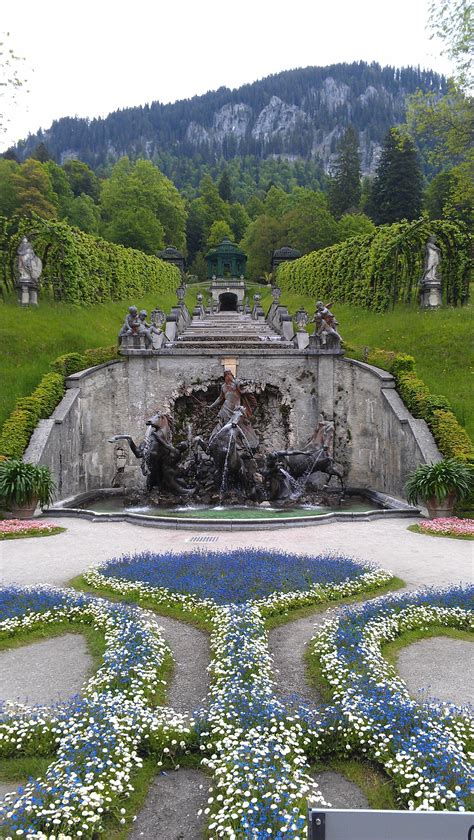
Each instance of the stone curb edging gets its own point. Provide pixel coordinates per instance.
(226, 524)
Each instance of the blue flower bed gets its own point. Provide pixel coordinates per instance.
(234, 576)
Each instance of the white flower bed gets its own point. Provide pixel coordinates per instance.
(256, 748)
(422, 747)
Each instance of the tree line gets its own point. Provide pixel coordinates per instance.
(262, 205)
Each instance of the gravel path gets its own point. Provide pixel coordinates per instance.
(287, 645)
(45, 672)
(171, 806)
(439, 668)
(190, 647)
(339, 791)
(420, 560)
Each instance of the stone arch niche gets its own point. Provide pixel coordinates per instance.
(270, 419)
(227, 302)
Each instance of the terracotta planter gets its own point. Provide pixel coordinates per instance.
(441, 509)
(25, 511)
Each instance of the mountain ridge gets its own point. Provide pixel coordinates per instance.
(295, 114)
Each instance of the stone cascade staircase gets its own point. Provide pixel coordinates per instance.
(230, 331)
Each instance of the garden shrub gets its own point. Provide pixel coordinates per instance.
(20, 425)
(413, 392)
(84, 269)
(100, 355)
(452, 439)
(384, 267)
(68, 363)
(16, 432)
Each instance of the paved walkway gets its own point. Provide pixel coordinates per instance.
(418, 559)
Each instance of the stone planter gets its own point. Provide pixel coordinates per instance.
(25, 511)
(441, 509)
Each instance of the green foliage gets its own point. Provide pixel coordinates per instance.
(74, 362)
(378, 270)
(68, 363)
(19, 426)
(413, 392)
(45, 397)
(452, 21)
(16, 432)
(262, 237)
(354, 224)
(225, 187)
(141, 207)
(218, 231)
(84, 214)
(453, 441)
(397, 186)
(344, 186)
(442, 126)
(83, 269)
(82, 179)
(440, 479)
(20, 483)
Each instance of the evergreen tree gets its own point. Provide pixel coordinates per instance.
(225, 187)
(398, 184)
(41, 153)
(344, 187)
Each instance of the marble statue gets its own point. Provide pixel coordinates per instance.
(430, 282)
(29, 268)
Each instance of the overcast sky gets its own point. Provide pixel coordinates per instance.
(91, 57)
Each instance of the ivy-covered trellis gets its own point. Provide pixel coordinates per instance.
(383, 268)
(80, 268)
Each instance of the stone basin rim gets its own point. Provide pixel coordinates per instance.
(394, 508)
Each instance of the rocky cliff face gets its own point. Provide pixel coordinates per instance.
(280, 121)
(295, 114)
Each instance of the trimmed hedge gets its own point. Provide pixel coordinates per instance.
(73, 362)
(385, 267)
(20, 425)
(452, 440)
(84, 269)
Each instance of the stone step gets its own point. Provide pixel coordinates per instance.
(228, 344)
(221, 334)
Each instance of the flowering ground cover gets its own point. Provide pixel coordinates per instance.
(258, 748)
(233, 576)
(11, 529)
(449, 526)
(423, 747)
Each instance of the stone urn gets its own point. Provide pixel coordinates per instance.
(441, 509)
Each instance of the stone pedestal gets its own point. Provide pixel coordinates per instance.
(302, 339)
(27, 294)
(326, 341)
(430, 295)
(133, 342)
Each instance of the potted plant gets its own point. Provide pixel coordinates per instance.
(23, 485)
(440, 485)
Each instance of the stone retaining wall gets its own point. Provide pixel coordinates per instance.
(377, 440)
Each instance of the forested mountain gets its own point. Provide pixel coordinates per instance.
(296, 114)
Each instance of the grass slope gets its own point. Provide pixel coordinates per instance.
(440, 341)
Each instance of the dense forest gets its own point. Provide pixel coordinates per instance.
(298, 113)
(182, 189)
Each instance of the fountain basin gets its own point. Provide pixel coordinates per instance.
(110, 505)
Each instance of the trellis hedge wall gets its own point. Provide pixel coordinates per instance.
(83, 269)
(383, 268)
